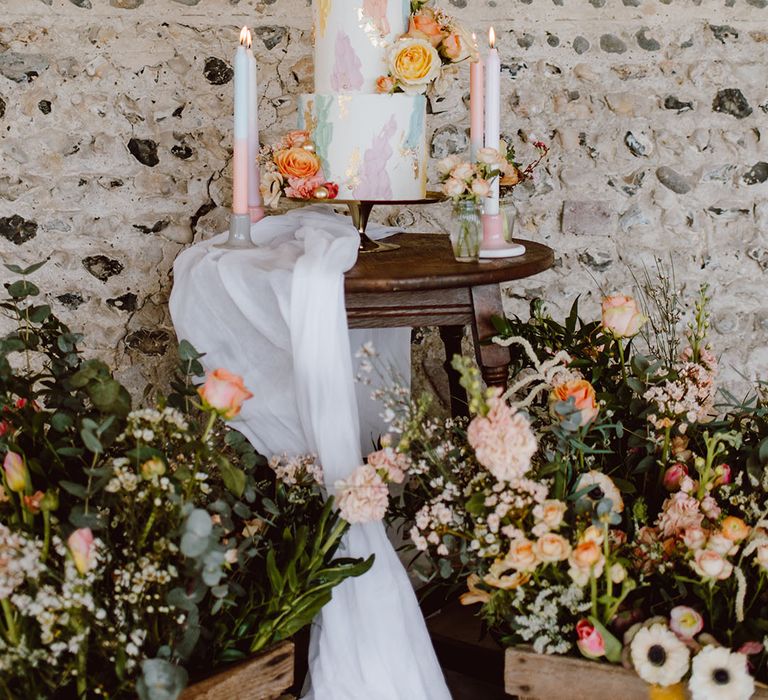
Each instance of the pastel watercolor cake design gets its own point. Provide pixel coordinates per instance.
(372, 145)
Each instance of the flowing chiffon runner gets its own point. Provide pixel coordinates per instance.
(275, 314)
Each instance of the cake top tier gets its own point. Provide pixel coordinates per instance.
(352, 38)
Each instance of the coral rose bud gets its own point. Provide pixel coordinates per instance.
(81, 548)
(583, 395)
(590, 642)
(674, 476)
(621, 317)
(15, 472)
(424, 25)
(385, 84)
(34, 502)
(224, 393)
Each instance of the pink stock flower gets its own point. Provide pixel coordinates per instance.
(224, 393)
(710, 507)
(15, 471)
(751, 648)
(363, 497)
(503, 440)
(674, 476)
(694, 538)
(304, 188)
(590, 642)
(393, 464)
(81, 548)
(679, 512)
(685, 622)
(621, 316)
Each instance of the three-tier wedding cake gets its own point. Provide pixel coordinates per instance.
(372, 145)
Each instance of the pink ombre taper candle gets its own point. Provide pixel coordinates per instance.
(255, 203)
(476, 104)
(240, 159)
(492, 114)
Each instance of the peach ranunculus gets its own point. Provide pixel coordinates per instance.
(586, 555)
(385, 84)
(552, 547)
(15, 471)
(224, 393)
(446, 165)
(81, 547)
(733, 528)
(583, 394)
(297, 162)
(685, 622)
(414, 63)
(621, 316)
(424, 25)
(463, 171)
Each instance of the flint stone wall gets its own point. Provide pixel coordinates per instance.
(115, 127)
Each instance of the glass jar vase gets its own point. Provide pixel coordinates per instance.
(466, 230)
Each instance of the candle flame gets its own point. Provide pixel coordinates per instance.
(249, 40)
(243, 35)
(492, 38)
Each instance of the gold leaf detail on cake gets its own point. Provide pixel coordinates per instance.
(372, 29)
(310, 122)
(353, 169)
(324, 9)
(343, 102)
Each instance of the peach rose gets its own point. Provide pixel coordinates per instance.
(481, 188)
(761, 556)
(593, 534)
(454, 188)
(224, 393)
(586, 555)
(583, 394)
(709, 564)
(735, 529)
(489, 156)
(81, 548)
(15, 471)
(297, 139)
(414, 63)
(463, 171)
(521, 555)
(385, 84)
(297, 162)
(621, 317)
(447, 164)
(551, 513)
(552, 547)
(454, 48)
(423, 25)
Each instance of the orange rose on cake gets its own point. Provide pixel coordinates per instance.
(297, 162)
(414, 63)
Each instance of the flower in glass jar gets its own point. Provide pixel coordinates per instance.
(414, 63)
(463, 171)
(447, 164)
(579, 394)
(621, 316)
(589, 640)
(81, 547)
(224, 393)
(15, 471)
(659, 657)
(297, 163)
(454, 188)
(489, 156)
(685, 622)
(718, 673)
(481, 188)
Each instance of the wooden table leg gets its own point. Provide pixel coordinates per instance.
(451, 336)
(494, 360)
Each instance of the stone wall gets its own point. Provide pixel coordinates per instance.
(115, 121)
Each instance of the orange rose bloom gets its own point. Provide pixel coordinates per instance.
(224, 393)
(583, 394)
(424, 23)
(297, 162)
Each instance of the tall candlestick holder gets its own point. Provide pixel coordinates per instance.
(494, 243)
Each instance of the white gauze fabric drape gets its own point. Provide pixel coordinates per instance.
(275, 315)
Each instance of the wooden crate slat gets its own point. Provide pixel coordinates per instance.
(264, 677)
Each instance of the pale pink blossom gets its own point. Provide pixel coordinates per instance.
(710, 508)
(685, 622)
(489, 156)
(721, 544)
(481, 188)
(679, 512)
(453, 187)
(447, 164)
(393, 464)
(81, 547)
(503, 440)
(463, 171)
(694, 538)
(711, 565)
(363, 497)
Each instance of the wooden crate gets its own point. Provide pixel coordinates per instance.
(533, 676)
(266, 676)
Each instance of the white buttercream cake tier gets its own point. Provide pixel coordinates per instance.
(372, 146)
(351, 42)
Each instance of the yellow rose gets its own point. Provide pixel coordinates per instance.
(414, 63)
(297, 162)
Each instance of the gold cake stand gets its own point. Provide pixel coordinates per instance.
(360, 211)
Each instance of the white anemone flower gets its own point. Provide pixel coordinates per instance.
(658, 656)
(720, 674)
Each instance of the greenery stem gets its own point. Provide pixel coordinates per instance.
(145, 532)
(620, 343)
(10, 623)
(46, 535)
(82, 667)
(593, 594)
(209, 426)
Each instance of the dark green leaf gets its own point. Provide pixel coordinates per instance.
(77, 490)
(23, 289)
(91, 441)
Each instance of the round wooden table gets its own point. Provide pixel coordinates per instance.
(421, 284)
